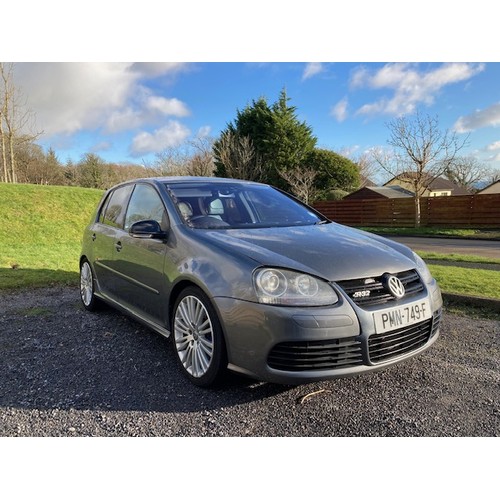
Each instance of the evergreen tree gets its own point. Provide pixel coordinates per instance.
(280, 140)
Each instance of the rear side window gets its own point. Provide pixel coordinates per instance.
(113, 213)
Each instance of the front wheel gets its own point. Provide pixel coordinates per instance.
(87, 287)
(197, 338)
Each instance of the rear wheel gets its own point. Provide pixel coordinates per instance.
(87, 287)
(197, 338)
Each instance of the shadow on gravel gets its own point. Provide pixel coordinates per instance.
(56, 355)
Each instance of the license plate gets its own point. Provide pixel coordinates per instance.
(401, 316)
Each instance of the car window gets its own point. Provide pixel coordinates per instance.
(145, 204)
(210, 205)
(113, 213)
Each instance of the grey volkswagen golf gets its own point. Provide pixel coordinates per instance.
(242, 276)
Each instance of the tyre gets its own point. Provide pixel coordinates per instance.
(87, 287)
(198, 339)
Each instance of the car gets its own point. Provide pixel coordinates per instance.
(243, 276)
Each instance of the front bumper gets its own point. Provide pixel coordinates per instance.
(290, 345)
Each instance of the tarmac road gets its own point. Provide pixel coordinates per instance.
(478, 248)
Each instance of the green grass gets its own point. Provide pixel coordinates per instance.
(40, 233)
(456, 257)
(434, 231)
(464, 281)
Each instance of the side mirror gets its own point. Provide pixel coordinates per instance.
(147, 229)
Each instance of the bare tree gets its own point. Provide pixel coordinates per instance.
(301, 182)
(201, 163)
(239, 157)
(171, 161)
(366, 168)
(467, 171)
(16, 122)
(492, 175)
(421, 153)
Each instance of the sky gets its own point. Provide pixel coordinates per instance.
(129, 112)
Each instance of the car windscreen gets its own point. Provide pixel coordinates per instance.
(212, 205)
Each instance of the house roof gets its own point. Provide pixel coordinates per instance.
(380, 192)
(493, 188)
(436, 184)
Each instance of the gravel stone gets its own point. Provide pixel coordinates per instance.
(67, 372)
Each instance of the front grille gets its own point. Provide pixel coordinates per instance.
(385, 346)
(348, 352)
(316, 355)
(371, 291)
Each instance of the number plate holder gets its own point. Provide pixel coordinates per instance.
(402, 316)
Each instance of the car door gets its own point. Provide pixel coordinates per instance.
(106, 232)
(139, 262)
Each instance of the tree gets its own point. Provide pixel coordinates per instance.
(421, 153)
(366, 168)
(279, 140)
(201, 163)
(302, 182)
(334, 172)
(16, 123)
(467, 171)
(238, 157)
(93, 172)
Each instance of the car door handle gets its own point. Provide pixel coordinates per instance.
(94, 237)
(118, 246)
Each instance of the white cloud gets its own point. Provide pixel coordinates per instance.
(312, 69)
(339, 111)
(204, 131)
(171, 135)
(493, 146)
(70, 97)
(101, 146)
(488, 117)
(153, 69)
(144, 109)
(410, 85)
(172, 107)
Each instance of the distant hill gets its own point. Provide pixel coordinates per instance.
(40, 232)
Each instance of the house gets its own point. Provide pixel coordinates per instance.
(493, 188)
(438, 186)
(379, 192)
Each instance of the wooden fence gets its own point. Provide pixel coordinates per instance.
(474, 211)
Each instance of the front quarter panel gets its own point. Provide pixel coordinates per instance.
(219, 272)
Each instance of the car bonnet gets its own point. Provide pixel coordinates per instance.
(330, 251)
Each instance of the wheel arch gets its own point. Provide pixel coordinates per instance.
(178, 289)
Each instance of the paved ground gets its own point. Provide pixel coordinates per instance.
(67, 372)
(479, 248)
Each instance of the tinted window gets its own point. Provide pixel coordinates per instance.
(145, 204)
(114, 211)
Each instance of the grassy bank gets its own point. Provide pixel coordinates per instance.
(40, 233)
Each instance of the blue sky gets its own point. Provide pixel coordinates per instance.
(128, 112)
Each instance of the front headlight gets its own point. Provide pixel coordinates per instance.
(422, 268)
(290, 288)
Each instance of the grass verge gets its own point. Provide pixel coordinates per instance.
(465, 281)
(434, 231)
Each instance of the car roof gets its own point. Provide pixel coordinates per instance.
(185, 179)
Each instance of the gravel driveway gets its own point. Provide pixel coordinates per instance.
(67, 372)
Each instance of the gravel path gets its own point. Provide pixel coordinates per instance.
(67, 372)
